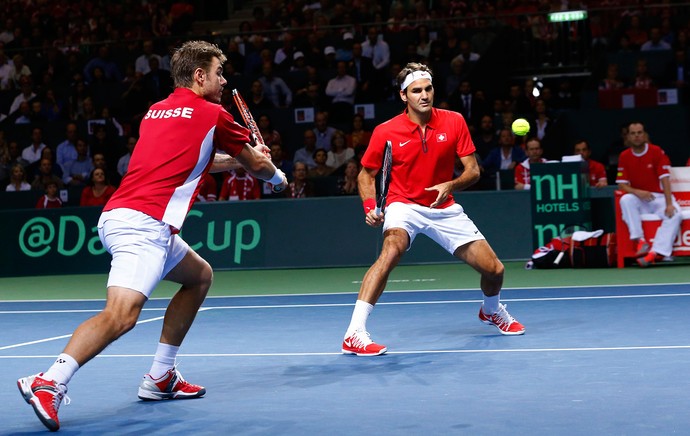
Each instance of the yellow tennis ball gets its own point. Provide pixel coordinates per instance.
(520, 127)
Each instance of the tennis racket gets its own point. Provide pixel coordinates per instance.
(247, 117)
(566, 237)
(385, 177)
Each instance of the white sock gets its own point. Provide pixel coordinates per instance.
(163, 360)
(490, 304)
(62, 370)
(359, 317)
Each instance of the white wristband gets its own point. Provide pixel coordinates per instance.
(277, 178)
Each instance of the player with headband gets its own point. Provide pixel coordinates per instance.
(140, 226)
(426, 142)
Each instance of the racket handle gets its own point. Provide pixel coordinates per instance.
(377, 210)
(558, 258)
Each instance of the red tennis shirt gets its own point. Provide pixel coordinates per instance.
(420, 160)
(644, 171)
(178, 139)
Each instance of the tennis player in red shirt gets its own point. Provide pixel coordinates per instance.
(140, 225)
(644, 175)
(597, 171)
(425, 143)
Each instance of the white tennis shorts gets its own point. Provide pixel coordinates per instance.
(143, 249)
(450, 227)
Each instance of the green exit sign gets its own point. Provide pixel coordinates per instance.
(558, 17)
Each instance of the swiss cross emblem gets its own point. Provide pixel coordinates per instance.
(441, 137)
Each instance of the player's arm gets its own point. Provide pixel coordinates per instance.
(366, 184)
(225, 162)
(260, 166)
(469, 176)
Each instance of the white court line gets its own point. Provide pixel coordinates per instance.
(292, 306)
(473, 351)
(55, 338)
(385, 303)
(404, 291)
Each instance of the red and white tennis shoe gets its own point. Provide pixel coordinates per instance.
(642, 248)
(45, 396)
(505, 323)
(360, 343)
(169, 387)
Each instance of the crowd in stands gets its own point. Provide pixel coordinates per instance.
(93, 67)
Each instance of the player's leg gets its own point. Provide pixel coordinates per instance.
(46, 391)
(631, 209)
(665, 234)
(138, 245)
(357, 340)
(480, 256)
(186, 267)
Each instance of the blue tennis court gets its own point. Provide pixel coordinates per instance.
(594, 360)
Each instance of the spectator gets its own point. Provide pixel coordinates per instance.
(208, 189)
(461, 100)
(522, 170)
(123, 162)
(142, 63)
(104, 61)
(540, 122)
(157, 83)
(377, 49)
(643, 174)
(25, 96)
(18, 179)
(677, 74)
(99, 161)
(32, 153)
(284, 55)
(257, 101)
(19, 71)
(358, 134)
(504, 157)
(239, 185)
(596, 170)
(5, 71)
(485, 138)
(362, 69)
(311, 97)
(306, 152)
(45, 175)
(642, 79)
(347, 183)
(635, 33)
(108, 144)
(76, 171)
(98, 191)
(339, 153)
(300, 186)
(323, 131)
(47, 153)
(655, 42)
(342, 89)
(50, 199)
(268, 133)
(320, 169)
(612, 80)
(275, 88)
(15, 155)
(344, 51)
(66, 150)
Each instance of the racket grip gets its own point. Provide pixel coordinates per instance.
(558, 258)
(377, 210)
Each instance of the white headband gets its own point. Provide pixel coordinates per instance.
(414, 76)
